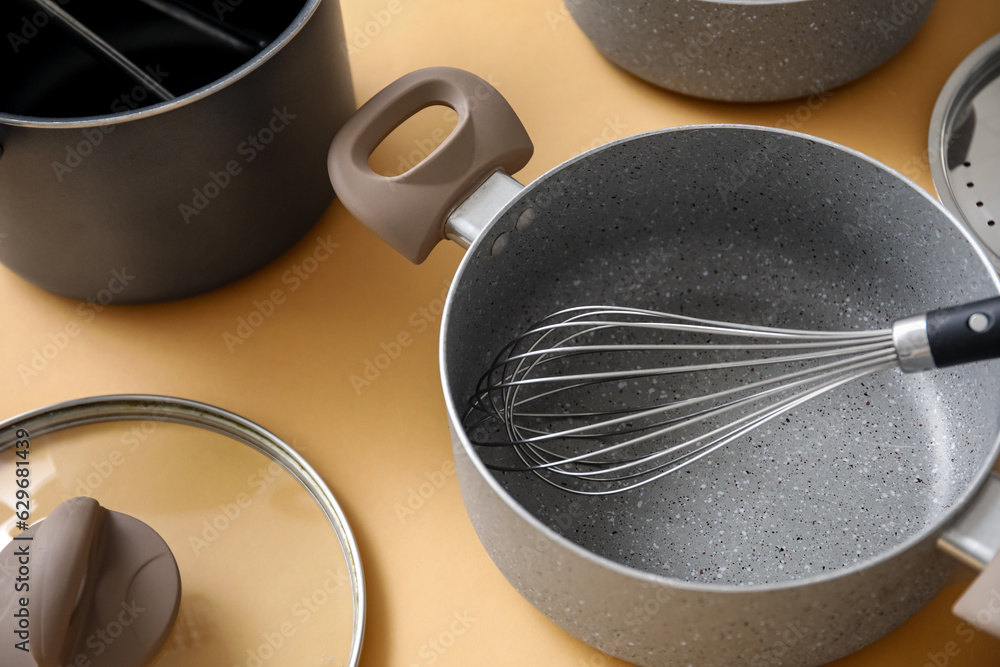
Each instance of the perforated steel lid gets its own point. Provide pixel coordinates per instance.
(270, 571)
(964, 144)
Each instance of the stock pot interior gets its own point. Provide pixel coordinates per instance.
(747, 225)
(47, 74)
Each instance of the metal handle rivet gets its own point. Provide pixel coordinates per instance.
(525, 219)
(500, 244)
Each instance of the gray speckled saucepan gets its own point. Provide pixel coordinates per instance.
(749, 50)
(799, 546)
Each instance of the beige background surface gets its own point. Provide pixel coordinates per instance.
(435, 598)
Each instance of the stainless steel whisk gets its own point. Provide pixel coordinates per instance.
(597, 400)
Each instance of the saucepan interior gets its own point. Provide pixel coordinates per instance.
(747, 225)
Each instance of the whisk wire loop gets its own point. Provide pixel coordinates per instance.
(637, 433)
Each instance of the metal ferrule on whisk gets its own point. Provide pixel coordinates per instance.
(913, 347)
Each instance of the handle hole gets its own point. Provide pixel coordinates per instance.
(413, 140)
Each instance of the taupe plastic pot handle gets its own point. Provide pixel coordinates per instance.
(974, 539)
(409, 211)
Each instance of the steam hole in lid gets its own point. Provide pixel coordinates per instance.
(968, 164)
(979, 203)
(413, 140)
(992, 223)
(970, 184)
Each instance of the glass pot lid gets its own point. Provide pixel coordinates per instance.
(270, 570)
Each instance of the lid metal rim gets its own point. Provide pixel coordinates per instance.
(129, 407)
(962, 82)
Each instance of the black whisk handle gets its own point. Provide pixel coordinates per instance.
(966, 333)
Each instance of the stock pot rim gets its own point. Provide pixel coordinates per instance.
(298, 23)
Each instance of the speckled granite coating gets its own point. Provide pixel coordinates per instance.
(754, 226)
(749, 50)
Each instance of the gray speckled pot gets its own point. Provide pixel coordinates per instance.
(794, 546)
(749, 50)
(816, 538)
